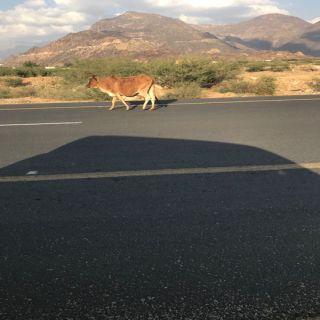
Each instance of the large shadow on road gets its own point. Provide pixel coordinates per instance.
(207, 246)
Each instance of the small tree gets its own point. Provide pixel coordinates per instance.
(30, 64)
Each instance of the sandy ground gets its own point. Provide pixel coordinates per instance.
(294, 82)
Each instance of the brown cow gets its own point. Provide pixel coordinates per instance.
(119, 87)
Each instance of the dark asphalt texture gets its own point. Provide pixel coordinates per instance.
(207, 246)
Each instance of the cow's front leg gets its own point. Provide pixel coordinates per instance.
(114, 99)
(122, 100)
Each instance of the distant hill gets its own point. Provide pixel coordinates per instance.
(308, 42)
(133, 34)
(143, 36)
(276, 32)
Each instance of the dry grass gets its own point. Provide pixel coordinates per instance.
(294, 82)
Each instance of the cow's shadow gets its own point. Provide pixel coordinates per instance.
(163, 103)
(233, 245)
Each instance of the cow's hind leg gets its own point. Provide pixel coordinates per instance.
(122, 100)
(152, 95)
(146, 100)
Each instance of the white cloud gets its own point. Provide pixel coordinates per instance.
(208, 10)
(315, 20)
(256, 10)
(34, 3)
(35, 21)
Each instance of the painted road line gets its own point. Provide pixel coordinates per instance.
(53, 108)
(246, 101)
(161, 172)
(164, 104)
(40, 124)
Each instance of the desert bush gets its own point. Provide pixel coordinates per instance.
(81, 70)
(163, 70)
(315, 84)
(5, 94)
(26, 72)
(24, 92)
(256, 66)
(167, 72)
(265, 86)
(30, 69)
(5, 71)
(237, 86)
(203, 72)
(14, 82)
(30, 64)
(185, 91)
(279, 66)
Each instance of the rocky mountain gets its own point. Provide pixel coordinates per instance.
(308, 42)
(138, 35)
(275, 32)
(142, 36)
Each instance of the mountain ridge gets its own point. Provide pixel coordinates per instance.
(144, 35)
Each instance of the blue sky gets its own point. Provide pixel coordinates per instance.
(27, 23)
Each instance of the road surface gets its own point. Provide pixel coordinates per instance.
(203, 209)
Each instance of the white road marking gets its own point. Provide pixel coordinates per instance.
(162, 172)
(40, 124)
(53, 108)
(164, 104)
(31, 173)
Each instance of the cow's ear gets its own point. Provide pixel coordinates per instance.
(94, 77)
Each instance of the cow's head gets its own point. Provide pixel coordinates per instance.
(93, 82)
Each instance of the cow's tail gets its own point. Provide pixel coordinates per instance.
(155, 92)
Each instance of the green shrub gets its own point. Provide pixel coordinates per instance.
(240, 87)
(265, 86)
(25, 92)
(81, 70)
(315, 84)
(163, 70)
(185, 91)
(167, 72)
(204, 72)
(30, 64)
(33, 70)
(4, 94)
(14, 82)
(4, 71)
(26, 72)
(279, 66)
(256, 66)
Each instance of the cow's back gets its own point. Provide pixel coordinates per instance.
(130, 86)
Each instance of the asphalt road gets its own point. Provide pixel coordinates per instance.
(204, 209)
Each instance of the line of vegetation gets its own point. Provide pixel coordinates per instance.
(167, 72)
(27, 70)
(274, 66)
(185, 77)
